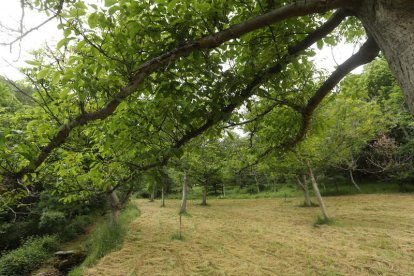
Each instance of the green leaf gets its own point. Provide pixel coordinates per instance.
(113, 9)
(93, 20)
(43, 73)
(67, 32)
(109, 3)
(172, 5)
(33, 62)
(319, 44)
(55, 77)
(62, 42)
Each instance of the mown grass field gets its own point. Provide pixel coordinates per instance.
(372, 235)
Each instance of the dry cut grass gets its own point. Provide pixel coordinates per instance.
(372, 235)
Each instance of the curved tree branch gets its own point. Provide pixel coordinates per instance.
(259, 79)
(298, 8)
(23, 33)
(368, 52)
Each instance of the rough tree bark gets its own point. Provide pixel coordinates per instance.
(317, 192)
(391, 24)
(115, 204)
(183, 207)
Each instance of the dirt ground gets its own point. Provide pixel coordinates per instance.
(372, 235)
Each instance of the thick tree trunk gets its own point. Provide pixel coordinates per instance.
(351, 175)
(204, 201)
(115, 205)
(162, 197)
(391, 24)
(183, 207)
(317, 193)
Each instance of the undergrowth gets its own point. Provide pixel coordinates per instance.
(106, 238)
(31, 255)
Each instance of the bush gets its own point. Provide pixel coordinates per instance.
(76, 227)
(28, 257)
(11, 234)
(52, 220)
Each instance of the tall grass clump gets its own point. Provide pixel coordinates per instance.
(106, 238)
(31, 255)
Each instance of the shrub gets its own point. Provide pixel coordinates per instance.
(76, 227)
(11, 234)
(52, 220)
(28, 257)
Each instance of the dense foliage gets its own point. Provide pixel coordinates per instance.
(32, 254)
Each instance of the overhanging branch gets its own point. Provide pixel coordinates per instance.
(368, 51)
(259, 79)
(298, 8)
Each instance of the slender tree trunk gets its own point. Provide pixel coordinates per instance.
(305, 187)
(204, 201)
(353, 181)
(223, 189)
(115, 204)
(317, 193)
(163, 197)
(183, 208)
(391, 24)
(154, 186)
(257, 183)
(308, 201)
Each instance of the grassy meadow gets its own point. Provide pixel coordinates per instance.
(371, 235)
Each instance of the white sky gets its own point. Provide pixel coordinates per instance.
(10, 13)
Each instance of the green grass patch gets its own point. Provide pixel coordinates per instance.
(313, 204)
(184, 214)
(106, 238)
(31, 255)
(323, 221)
(178, 237)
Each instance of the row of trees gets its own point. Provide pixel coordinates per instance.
(363, 129)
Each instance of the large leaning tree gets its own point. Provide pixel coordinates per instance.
(191, 65)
